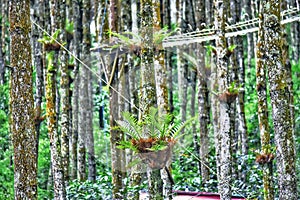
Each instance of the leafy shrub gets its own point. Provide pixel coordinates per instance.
(99, 190)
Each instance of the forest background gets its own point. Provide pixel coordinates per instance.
(86, 72)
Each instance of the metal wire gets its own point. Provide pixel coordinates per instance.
(240, 28)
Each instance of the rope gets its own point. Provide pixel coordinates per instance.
(83, 64)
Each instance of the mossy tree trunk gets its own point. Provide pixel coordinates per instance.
(65, 95)
(148, 88)
(5, 51)
(280, 100)
(77, 19)
(22, 103)
(51, 110)
(38, 63)
(241, 117)
(263, 114)
(82, 122)
(117, 155)
(161, 91)
(224, 106)
(89, 109)
(203, 104)
(181, 64)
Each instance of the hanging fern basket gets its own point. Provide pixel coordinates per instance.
(152, 138)
(155, 153)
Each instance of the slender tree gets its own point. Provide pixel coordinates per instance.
(280, 100)
(264, 129)
(22, 103)
(77, 18)
(224, 106)
(203, 100)
(148, 87)
(117, 155)
(82, 122)
(240, 78)
(5, 51)
(51, 110)
(89, 114)
(38, 63)
(65, 95)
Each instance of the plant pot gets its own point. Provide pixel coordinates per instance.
(157, 159)
(228, 97)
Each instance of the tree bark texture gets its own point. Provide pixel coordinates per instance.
(82, 126)
(65, 95)
(89, 109)
(280, 99)
(224, 117)
(22, 103)
(263, 114)
(203, 93)
(38, 63)
(55, 148)
(148, 90)
(77, 18)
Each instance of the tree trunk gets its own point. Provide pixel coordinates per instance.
(5, 50)
(77, 18)
(242, 126)
(224, 117)
(82, 126)
(117, 155)
(57, 170)
(38, 63)
(51, 110)
(65, 95)
(22, 103)
(148, 89)
(264, 129)
(280, 99)
(89, 109)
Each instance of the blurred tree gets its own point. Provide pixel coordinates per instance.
(77, 19)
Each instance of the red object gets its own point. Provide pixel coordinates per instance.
(182, 195)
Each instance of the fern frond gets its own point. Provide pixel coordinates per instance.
(130, 125)
(126, 145)
(175, 131)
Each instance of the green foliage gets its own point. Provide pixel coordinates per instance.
(234, 88)
(44, 166)
(160, 35)
(130, 39)
(231, 47)
(69, 27)
(6, 159)
(50, 39)
(160, 128)
(6, 175)
(100, 190)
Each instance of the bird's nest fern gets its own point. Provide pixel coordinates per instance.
(154, 132)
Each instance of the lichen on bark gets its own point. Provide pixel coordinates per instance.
(279, 95)
(22, 103)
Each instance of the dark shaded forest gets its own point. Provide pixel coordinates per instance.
(149, 99)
